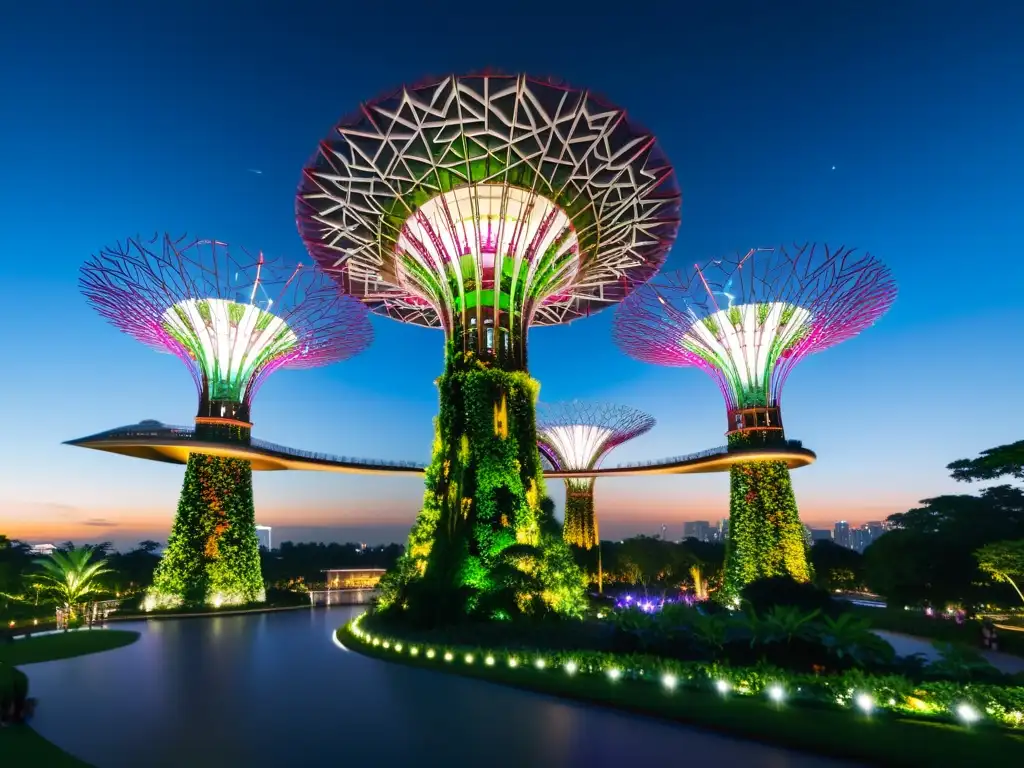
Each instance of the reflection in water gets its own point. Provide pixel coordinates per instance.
(273, 690)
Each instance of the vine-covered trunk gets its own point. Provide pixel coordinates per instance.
(212, 554)
(766, 537)
(481, 544)
(580, 527)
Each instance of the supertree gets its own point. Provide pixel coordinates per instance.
(577, 435)
(747, 321)
(233, 318)
(484, 205)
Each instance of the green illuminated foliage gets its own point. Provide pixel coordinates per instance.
(212, 554)
(766, 537)
(483, 492)
(580, 527)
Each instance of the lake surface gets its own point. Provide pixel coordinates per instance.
(274, 690)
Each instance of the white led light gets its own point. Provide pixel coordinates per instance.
(230, 341)
(448, 656)
(577, 444)
(746, 341)
(614, 674)
(398, 647)
(669, 681)
(967, 713)
(430, 653)
(776, 693)
(469, 658)
(539, 664)
(513, 663)
(722, 686)
(865, 703)
(489, 661)
(386, 644)
(414, 651)
(570, 667)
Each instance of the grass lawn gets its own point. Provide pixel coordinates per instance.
(64, 646)
(21, 746)
(881, 739)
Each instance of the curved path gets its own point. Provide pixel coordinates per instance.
(159, 442)
(274, 690)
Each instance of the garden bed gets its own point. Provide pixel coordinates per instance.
(881, 719)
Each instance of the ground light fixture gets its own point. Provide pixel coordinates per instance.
(863, 701)
(967, 713)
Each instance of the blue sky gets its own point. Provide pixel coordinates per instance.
(120, 121)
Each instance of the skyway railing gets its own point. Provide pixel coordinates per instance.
(188, 433)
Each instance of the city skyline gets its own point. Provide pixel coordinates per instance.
(848, 158)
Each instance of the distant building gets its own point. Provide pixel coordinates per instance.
(820, 534)
(264, 537)
(43, 550)
(697, 529)
(723, 529)
(841, 534)
(354, 578)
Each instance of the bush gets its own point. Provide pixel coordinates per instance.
(13, 694)
(764, 594)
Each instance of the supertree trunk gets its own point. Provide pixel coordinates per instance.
(483, 492)
(765, 533)
(580, 527)
(212, 554)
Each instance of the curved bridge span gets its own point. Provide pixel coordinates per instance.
(160, 442)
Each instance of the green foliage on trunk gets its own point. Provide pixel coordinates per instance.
(482, 545)
(766, 537)
(580, 527)
(213, 554)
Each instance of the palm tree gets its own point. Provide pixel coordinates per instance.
(70, 577)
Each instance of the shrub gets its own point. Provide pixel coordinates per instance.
(764, 594)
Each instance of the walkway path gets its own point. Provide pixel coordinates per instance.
(273, 690)
(907, 645)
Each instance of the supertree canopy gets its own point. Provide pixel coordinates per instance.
(484, 205)
(747, 321)
(578, 436)
(233, 318)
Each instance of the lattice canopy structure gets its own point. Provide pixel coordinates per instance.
(231, 316)
(485, 204)
(748, 320)
(579, 435)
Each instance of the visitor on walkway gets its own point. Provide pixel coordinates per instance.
(989, 640)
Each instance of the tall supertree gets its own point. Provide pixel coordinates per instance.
(747, 321)
(233, 318)
(578, 436)
(484, 205)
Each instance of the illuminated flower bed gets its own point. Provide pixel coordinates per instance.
(862, 694)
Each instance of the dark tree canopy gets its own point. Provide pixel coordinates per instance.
(836, 567)
(991, 464)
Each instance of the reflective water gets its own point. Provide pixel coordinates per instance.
(273, 690)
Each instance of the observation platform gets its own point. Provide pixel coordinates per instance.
(155, 441)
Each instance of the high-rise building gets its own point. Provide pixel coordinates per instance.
(841, 534)
(697, 529)
(723, 529)
(263, 536)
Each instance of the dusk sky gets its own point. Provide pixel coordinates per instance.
(893, 127)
